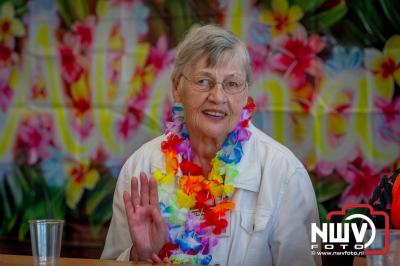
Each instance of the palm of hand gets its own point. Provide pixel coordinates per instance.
(146, 226)
(149, 236)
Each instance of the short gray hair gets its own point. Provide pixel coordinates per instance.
(210, 41)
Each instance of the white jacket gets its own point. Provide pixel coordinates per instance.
(275, 206)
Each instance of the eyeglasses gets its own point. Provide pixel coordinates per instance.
(204, 84)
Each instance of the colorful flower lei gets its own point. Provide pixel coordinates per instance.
(196, 208)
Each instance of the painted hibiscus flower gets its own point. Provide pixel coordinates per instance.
(160, 56)
(84, 31)
(71, 69)
(6, 93)
(133, 116)
(9, 26)
(36, 134)
(5, 55)
(81, 176)
(389, 119)
(362, 179)
(296, 57)
(384, 67)
(282, 18)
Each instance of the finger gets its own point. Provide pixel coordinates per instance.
(153, 192)
(144, 189)
(128, 206)
(155, 258)
(166, 260)
(135, 193)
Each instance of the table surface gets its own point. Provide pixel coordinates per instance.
(20, 260)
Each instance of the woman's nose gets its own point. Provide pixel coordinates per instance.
(217, 94)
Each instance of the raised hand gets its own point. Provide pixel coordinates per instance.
(146, 225)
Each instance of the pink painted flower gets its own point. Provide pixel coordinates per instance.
(36, 134)
(296, 56)
(83, 125)
(71, 69)
(84, 32)
(160, 56)
(133, 117)
(6, 93)
(362, 179)
(259, 57)
(389, 118)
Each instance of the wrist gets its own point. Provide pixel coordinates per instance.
(133, 255)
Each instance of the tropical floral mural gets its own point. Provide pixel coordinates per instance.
(85, 83)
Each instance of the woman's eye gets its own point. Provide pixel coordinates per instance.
(203, 82)
(232, 84)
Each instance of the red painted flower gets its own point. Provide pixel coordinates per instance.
(296, 57)
(160, 56)
(5, 55)
(71, 69)
(362, 179)
(6, 93)
(36, 133)
(84, 32)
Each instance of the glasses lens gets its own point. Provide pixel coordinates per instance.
(233, 86)
(202, 83)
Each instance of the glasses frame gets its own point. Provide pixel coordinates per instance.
(215, 84)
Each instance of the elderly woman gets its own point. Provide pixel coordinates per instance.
(213, 189)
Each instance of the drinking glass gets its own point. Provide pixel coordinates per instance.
(46, 236)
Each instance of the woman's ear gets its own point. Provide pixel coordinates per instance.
(176, 90)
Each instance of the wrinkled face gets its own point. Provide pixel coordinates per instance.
(213, 113)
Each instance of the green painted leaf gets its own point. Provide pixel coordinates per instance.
(322, 212)
(26, 189)
(351, 212)
(57, 200)
(371, 19)
(103, 189)
(80, 8)
(182, 17)
(327, 190)
(66, 13)
(35, 211)
(6, 209)
(323, 21)
(101, 214)
(15, 190)
(307, 5)
(391, 9)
